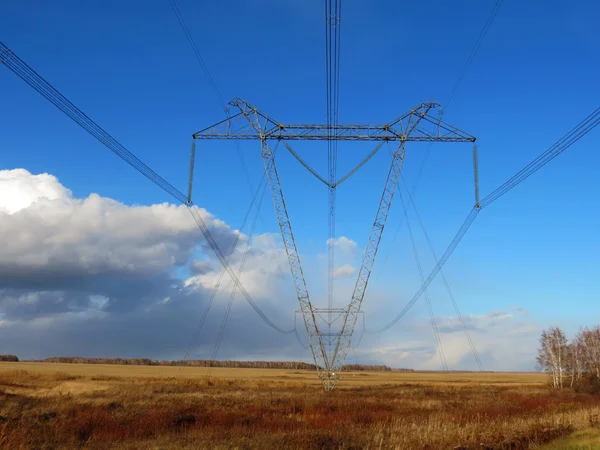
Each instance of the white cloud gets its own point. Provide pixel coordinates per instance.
(264, 266)
(60, 252)
(344, 271)
(49, 231)
(502, 340)
(19, 189)
(95, 277)
(343, 243)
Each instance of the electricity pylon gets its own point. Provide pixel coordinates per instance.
(417, 125)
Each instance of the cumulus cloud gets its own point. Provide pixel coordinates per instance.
(343, 243)
(53, 242)
(20, 189)
(344, 271)
(86, 265)
(264, 266)
(95, 277)
(503, 340)
(163, 330)
(481, 322)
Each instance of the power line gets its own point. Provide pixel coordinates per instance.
(214, 87)
(27, 74)
(436, 331)
(364, 329)
(584, 127)
(31, 77)
(196, 51)
(459, 235)
(234, 289)
(333, 13)
(576, 133)
(444, 279)
(340, 180)
(221, 275)
(305, 347)
(304, 163)
(482, 34)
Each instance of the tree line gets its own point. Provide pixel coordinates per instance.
(575, 363)
(9, 358)
(208, 363)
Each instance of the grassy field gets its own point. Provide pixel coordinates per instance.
(304, 376)
(581, 440)
(145, 407)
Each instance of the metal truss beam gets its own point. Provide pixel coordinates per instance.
(430, 129)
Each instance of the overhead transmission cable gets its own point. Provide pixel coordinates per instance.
(234, 288)
(339, 180)
(222, 274)
(196, 51)
(214, 87)
(482, 34)
(576, 133)
(333, 10)
(305, 347)
(213, 244)
(364, 326)
(436, 331)
(444, 279)
(36, 81)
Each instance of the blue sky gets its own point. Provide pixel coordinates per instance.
(129, 67)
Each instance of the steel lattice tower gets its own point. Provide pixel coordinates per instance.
(417, 125)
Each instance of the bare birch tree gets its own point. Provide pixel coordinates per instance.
(577, 356)
(553, 355)
(589, 343)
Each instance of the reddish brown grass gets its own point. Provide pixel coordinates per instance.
(53, 410)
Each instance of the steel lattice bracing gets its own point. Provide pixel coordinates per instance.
(237, 127)
(343, 344)
(285, 226)
(316, 344)
(345, 340)
(416, 125)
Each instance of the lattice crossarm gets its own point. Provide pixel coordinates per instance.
(406, 128)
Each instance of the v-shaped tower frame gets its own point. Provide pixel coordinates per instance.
(417, 125)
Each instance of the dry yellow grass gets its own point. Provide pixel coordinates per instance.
(304, 376)
(588, 439)
(139, 407)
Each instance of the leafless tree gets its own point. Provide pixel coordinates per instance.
(575, 356)
(553, 355)
(588, 341)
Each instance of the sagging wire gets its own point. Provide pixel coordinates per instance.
(37, 82)
(444, 279)
(234, 289)
(436, 331)
(574, 135)
(221, 274)
(214, 87)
